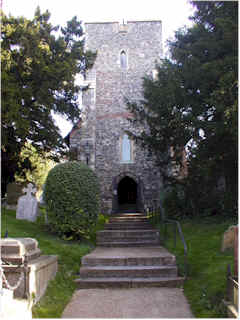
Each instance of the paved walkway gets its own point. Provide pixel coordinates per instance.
(151, 302)
(127, 281)
(128, 303)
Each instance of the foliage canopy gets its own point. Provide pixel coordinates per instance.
(39, 63)
(192, 105)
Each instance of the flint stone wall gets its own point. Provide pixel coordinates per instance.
(104, 102)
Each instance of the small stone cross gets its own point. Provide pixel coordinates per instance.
(29, 190)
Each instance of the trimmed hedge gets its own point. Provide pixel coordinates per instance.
(72, 198)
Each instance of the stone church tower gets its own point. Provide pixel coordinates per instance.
(125, 53)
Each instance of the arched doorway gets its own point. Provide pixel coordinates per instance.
(127, 194)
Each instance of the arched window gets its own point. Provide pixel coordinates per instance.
(123, 59)
(126, 149)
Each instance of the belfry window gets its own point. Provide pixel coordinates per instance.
(123, 59)
(126, 149)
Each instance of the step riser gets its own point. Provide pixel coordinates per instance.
(128, 220)
(127, 244)
(128, 272)
(126, 239)
(127, 233)
(127, 227)
(130, 223)
(129, 284)
(129, 261)
(128, 216)
(86, 273)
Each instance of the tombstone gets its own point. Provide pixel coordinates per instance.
(26, 271)
(27, 208)
(228, 238)
(14, 191)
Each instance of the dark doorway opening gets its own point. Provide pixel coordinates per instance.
(127, 195)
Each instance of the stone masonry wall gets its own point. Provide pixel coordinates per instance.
(104, 102)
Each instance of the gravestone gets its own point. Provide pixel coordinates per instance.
(228, 238)
(27, 208)
(26, 271)
(14, 191)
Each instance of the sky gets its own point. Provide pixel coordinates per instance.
(173, 14)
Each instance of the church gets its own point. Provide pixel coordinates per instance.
(126, 53)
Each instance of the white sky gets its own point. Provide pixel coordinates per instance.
(173, 14)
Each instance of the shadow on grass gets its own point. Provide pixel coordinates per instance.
(60, 290)
(205, 286)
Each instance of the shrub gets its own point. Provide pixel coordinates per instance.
(72, 200)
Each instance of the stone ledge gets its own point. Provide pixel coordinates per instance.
(42, 270)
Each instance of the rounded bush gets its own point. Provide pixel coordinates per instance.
(72, 198)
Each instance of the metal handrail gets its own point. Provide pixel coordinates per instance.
(158, 211)
(180, 232)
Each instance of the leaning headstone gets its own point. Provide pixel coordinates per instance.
(228, 238)
(14, 191)
(27, 208)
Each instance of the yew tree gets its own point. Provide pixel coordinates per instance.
(192, 105)
(39, 63)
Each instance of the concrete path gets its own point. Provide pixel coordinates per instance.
(128, 303)
(151, 302)
(128, 281)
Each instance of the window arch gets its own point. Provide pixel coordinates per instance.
(123, 59)
(126, 149)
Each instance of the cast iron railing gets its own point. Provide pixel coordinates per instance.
(157, 214)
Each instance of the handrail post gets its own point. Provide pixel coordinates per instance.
(185, 264)
(175, 235)
(156, 212)
(165, 232)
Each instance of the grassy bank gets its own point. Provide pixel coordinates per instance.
(204, 288)
(60, 290)
(206, 283)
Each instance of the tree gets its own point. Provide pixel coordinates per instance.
(38, 78)
(193, 103)
(38, 169)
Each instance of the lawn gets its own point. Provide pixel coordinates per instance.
(205, 286)
(60, 290)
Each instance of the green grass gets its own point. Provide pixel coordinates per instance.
(205, 286)
(60, 290)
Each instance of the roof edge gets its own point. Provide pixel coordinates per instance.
(128, 21)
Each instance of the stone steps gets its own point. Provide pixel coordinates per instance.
(91, 283)
(164, 259)
(128, 255)
(127, 233)
(139, 243)
(127, 226)
(128, 220)
(128, 271)
(128, 238)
